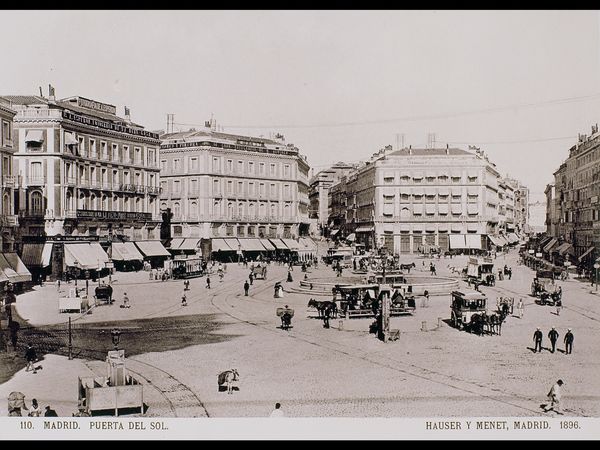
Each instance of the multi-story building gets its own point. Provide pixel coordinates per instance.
(552, 211)
(217, 185)
(577, 198)
(84, 172)
(8, 219)
(409, 199)
(320, 184)
(506, 206)
(338, 209)
(521, 206)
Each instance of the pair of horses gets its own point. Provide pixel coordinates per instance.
(483, 323)
(324, 308)
(407, 267)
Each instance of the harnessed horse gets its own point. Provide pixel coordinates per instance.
(228, 377)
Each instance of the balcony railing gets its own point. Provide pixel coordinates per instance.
(36, 181)
(71, 181)
(256, 219)
(154, 190)
(70, 214)
(8, 181)
(43, 113)
(9, 221)
(107, 186)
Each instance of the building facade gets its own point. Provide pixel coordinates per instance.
(409, 200)
(217, 184)
(84, 171)
(320, 184)
(8, 219)
(577, 199)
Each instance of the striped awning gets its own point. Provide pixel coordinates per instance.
(13, 268)
(251, 245)
(278, 243)
(189, 244)
(587, 252)
(219, 245)
(175, 243)
(152, 248)
(125, 251)
(267, 244)
(36, 254)
(550, 245)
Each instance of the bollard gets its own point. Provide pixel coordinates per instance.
(341, 325)
(424, 325)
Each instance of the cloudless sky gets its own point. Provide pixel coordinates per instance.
(338, 84)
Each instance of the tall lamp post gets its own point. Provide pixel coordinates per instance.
(596, 267)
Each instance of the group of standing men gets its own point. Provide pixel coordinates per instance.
(553, 336)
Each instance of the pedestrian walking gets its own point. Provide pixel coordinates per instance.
(521, 308)
(277, 412)
(553, 335)
(537, 337)
(207, 282)
(251, 278)
(246, 288)
(125, 301)
(31, 357)
(58, 284)
(326, 314)
(289, 277)
(558, 306)
(568, 342)
(555, 396)
(183, 300)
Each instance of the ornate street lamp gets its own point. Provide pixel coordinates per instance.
(115, 334)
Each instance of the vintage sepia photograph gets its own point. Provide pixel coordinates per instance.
(312, 217)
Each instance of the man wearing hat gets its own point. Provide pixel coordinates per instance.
(537, 338)
(569, 342)
(555, 395)
(553, 335)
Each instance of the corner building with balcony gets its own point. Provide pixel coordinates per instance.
(224, 185)
(84, 174)
(409, 200)
(8, 219)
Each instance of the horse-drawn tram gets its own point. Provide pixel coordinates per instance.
(466, 305)
(187, 267)
(363, 300)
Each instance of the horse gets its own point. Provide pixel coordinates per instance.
(476, 324)
(322, 306)
(407, 266)
(228, 377)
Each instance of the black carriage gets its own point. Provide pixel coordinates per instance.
(465, 306)
(187, 268)
(286, 315)
(104, 292)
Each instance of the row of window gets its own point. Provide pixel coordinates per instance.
(106, 203)
(231, 187)
(6, 130)
(407, 197)
(92, 174)
(419, 179)
(250, 211)
(92, 148)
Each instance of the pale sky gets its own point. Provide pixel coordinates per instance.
(338, 84)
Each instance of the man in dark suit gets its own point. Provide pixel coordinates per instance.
(569, 342)
(553, 335)
(537, 337)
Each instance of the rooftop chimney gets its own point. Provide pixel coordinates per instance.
(447, 149)
(127, 115)
(410, 149)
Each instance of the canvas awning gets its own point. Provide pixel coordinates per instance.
(99, 254)
(279, 245)
(189, 244)
(219, 245)
(351, 237)
(233, 244)
(36, 254)
(152, 248)
(267, 244)
(309, 244)
(81, 255)
(125, 251)
(512, 238)
(473, 241)
(34, 136)
(457, 241)
(587, 252)
(496, 240)
(565, 247)
(291, 244)
(251, 245)
(19, 273)
(363, 229)
(550, 245)
(175, 243)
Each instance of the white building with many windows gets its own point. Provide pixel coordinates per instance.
(217, 185)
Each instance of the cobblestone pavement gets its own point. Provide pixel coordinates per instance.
(344, 370)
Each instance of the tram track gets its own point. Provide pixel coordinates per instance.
(413, 370)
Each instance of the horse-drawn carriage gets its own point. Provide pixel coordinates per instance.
(187, 267)
(543, 287)
(104, 292)
(505, 305)
(363, 300)
(469, 312)
(286, 315)
(481, 271)
(260, 272)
